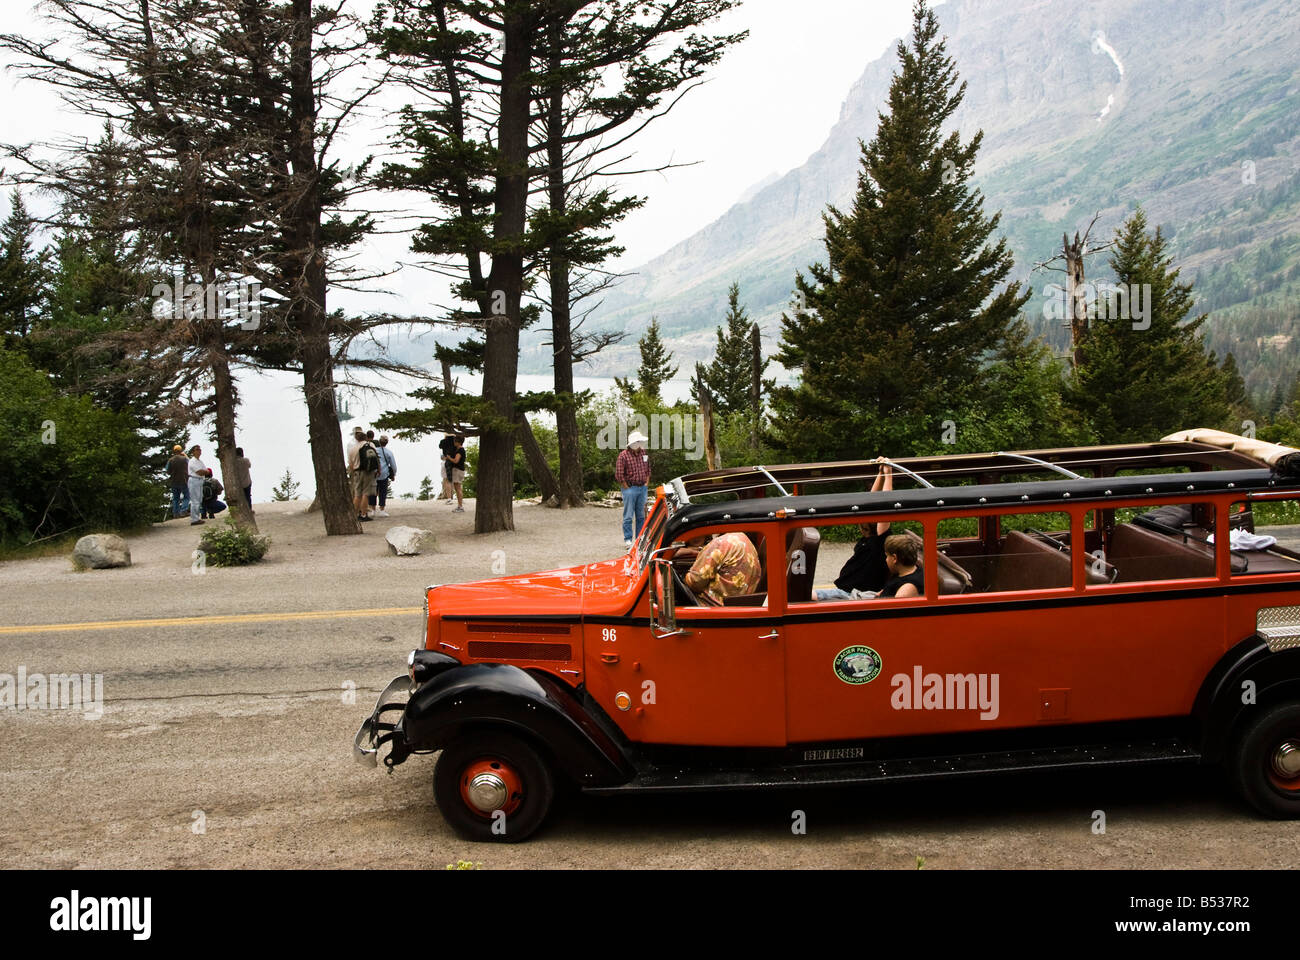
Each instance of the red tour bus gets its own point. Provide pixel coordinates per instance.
(1076, 607)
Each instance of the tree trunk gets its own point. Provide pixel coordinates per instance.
(494, 510)
(328, 466)
(711, 458)
(308, 289)
(1076, 302)
(224, 389)
(566, 414)
(537, 465)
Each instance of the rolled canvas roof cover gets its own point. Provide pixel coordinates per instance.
(1270, 453)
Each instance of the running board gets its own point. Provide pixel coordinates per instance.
(653, 779)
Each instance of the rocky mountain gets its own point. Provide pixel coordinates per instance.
(1190, 109)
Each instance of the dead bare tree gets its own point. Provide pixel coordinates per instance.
(1072, 256)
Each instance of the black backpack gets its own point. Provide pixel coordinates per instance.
(369, 459)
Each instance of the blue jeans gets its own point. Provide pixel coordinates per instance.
(196, 498)
(633, 511)
(835, 593)
(180, 500)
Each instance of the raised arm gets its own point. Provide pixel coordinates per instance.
(884, 481)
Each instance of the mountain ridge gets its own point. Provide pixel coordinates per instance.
(1190, 111)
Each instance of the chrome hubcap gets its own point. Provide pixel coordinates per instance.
(1286, 760)
(487, 792)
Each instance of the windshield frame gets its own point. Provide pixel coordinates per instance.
(651, 532)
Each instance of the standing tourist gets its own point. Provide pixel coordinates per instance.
(457, 467)
(178, 474)
(387, 474)
(632, 471)
(355, 477)
(244, 475)
(448, 447)
(197, 472)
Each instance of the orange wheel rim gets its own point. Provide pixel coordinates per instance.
(491, 784)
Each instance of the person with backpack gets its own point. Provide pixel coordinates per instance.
(356, 478)
(212, 489)
(368, 463)
(178, 477)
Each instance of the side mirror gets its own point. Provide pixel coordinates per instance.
(663, 601)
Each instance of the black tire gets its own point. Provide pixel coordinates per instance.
(523, 812)
(1251, 764)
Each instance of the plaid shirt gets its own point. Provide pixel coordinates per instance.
(632, 468)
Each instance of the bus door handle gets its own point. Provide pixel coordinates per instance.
(774, 635)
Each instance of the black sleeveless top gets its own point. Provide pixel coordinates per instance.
(916, 578)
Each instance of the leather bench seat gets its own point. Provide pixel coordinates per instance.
(1026, 563)
(1142, 554)
(953, 577)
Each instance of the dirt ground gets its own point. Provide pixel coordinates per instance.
(226, 742)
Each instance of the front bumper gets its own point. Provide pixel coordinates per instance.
(376, 731)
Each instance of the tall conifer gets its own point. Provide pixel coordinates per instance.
(1147, 374)
(656, 365)
(730, 374)
(894, 329)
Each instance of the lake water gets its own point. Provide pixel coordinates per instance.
(271, 424)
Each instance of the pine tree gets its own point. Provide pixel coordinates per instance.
(731, 372)
(22, 272)
(891, 334)
(286, 489)
(1024, 404)
(1146, 375)
(656, 366)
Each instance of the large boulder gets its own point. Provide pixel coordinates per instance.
(408, 541)
(100, 550)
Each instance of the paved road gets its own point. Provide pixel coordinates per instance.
(244, 734)
(225, 742)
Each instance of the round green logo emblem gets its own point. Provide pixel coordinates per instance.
(857, 664)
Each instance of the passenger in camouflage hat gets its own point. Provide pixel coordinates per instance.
(727, 567)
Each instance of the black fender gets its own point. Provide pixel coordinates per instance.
(1219, 707)
(535, 706)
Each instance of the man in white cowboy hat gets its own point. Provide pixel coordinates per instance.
(632, 471)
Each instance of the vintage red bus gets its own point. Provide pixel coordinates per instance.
(1079, 607)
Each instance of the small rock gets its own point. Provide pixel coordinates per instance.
(409, 541)
(100, 550)
(551, 501)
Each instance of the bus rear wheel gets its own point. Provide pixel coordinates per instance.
(1266, 764)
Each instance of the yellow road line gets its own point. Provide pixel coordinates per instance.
(206, 621)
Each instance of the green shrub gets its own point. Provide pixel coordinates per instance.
(230, 546)
(65, 464)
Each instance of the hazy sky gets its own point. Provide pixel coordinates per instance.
(765, 109)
